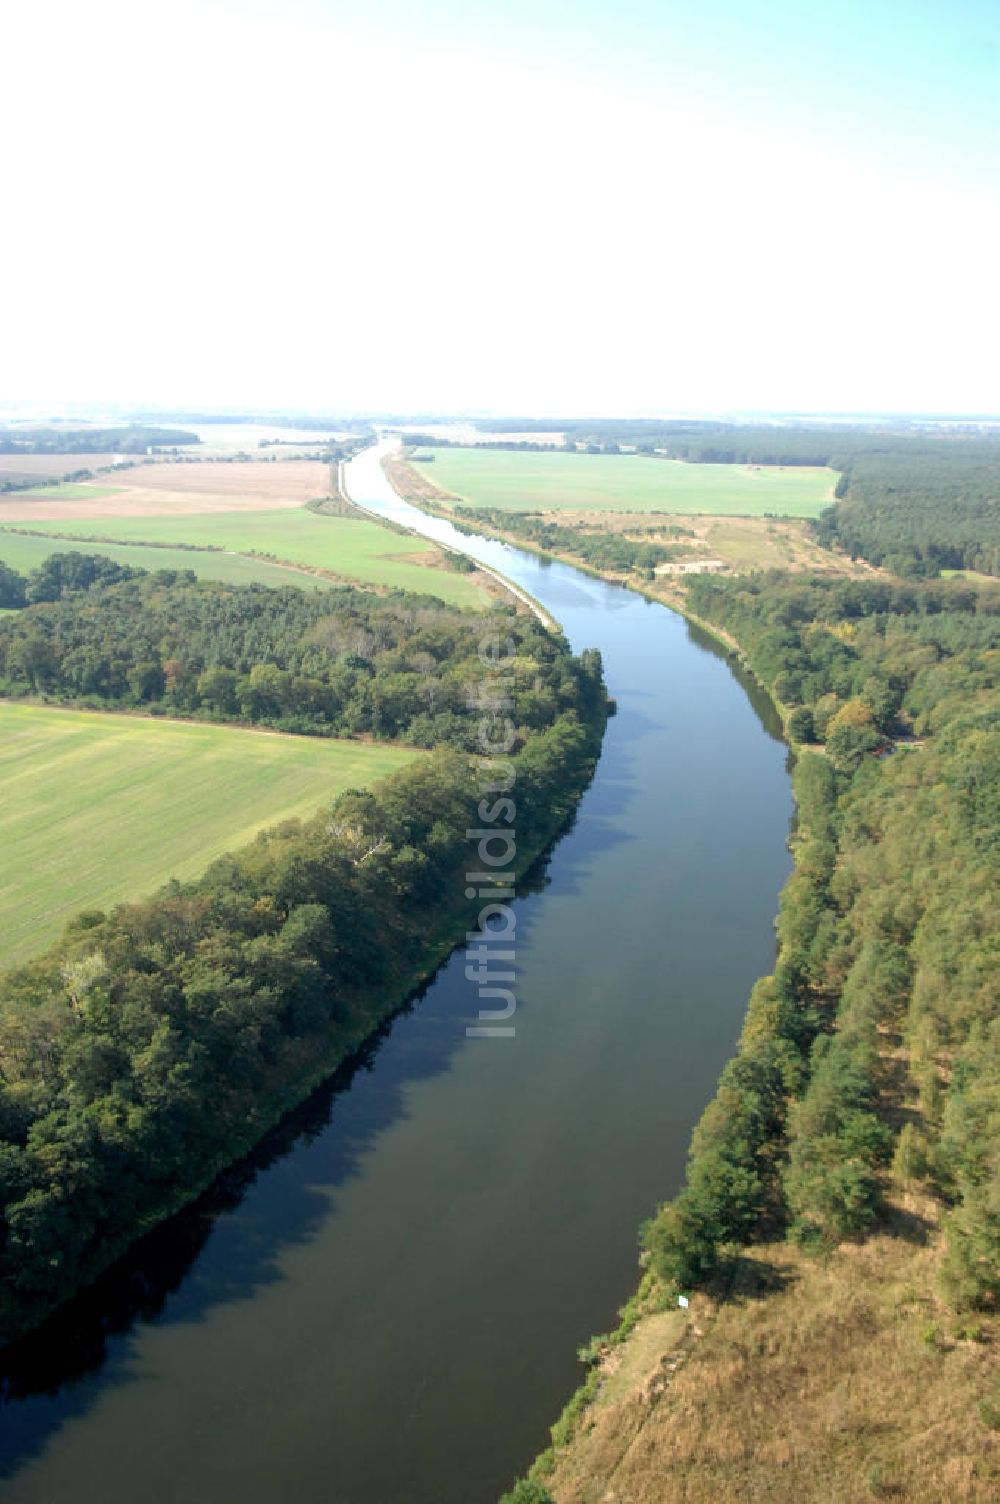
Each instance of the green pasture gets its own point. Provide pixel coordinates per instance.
(350, 547)
(544, 481)
(97, 808)
(25, 552)
(65, 491)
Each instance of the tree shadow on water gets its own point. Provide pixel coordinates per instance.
(230, 1243)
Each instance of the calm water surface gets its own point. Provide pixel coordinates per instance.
(383, 1305)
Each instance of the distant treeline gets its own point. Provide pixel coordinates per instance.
(263, 420)
(708, 440)
(242, 456)
(429, 441)
(132, 439)
(153, 1045)
(337, 662)
(888, 936)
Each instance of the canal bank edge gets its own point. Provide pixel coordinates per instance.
(419, 492)
(518, 592)
(773, 1369)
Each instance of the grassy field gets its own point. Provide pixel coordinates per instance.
(352, 548)
(96, 808)
(66, 491)
(628, 483)
(24, 553)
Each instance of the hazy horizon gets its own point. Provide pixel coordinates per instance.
(91, 414)
(656, 208)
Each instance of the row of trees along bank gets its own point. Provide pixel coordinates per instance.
(874, 1048)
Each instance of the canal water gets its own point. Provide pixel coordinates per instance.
(383, 1305)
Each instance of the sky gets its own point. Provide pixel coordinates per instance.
(646, 207)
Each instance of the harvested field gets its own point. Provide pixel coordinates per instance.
(279, 482)
(174, 489)
(54, 466)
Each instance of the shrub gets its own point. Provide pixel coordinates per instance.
(528, 1491)
(801, 726)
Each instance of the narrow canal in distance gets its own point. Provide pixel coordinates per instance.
(383, 1306)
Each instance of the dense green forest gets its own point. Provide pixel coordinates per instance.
(13, 588)
(154, 1044)
(337, 662)
(874, 1048)
(919, 513)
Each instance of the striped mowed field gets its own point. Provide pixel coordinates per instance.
(96, 808)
